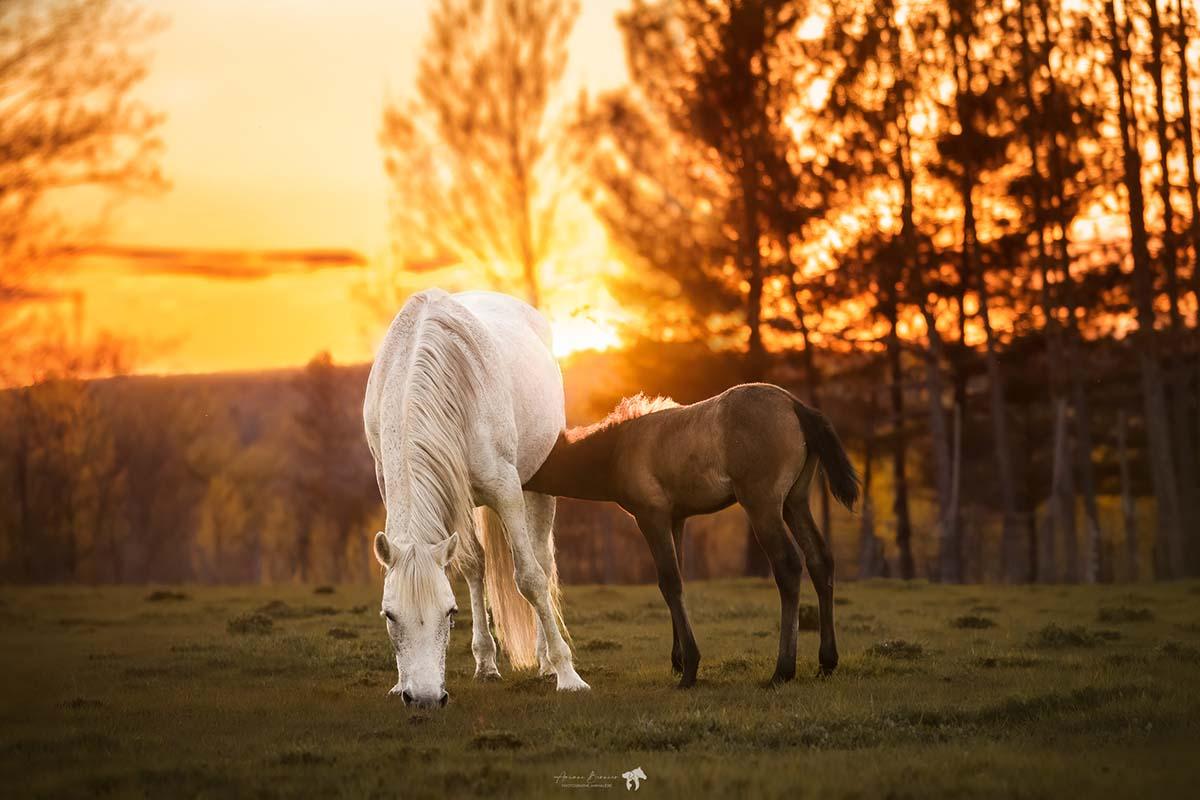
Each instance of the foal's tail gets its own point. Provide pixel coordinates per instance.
(823, 440)
(516, 625)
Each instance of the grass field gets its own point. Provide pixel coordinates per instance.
(220, 692)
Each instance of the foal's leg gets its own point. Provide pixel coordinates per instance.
(766, 519)
(656, 527)
(677, 648)
(532, 580)
(539, 521)
(820, 568)
(483, 646)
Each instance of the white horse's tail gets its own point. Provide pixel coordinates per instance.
(516, 625)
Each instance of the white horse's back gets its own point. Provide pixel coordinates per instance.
(523, 346)
(522, 391)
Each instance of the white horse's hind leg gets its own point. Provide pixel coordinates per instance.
(483, 646)
(543, 652)
(539, 520)
(531, 578)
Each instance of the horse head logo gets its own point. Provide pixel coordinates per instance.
(634, 778)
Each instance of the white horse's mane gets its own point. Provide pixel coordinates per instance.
(639, 405)
(442, 387)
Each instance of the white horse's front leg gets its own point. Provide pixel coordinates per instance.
(532, 580)
(483, 646)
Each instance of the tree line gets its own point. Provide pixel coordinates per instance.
(969, 232)
(974, 227)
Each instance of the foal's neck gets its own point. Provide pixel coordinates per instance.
(583, 469)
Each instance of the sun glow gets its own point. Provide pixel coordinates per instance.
(582, 332)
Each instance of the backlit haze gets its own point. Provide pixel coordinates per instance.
(272, 115)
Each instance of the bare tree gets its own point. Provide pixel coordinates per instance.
(473, 157)
(68, 118)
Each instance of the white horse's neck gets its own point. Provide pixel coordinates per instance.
(432, 497)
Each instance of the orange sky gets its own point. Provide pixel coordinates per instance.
(272, 114)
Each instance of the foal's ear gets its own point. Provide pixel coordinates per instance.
(444, 551)
(383, 550)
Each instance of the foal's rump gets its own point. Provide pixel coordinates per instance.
(761, 439)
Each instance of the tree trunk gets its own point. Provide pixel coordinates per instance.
(1177, 374)
(1128, 514)
(1062, 501)
(948, 565)
(948, 568)
(1092, 553)
(751, 258)
(958, 565)
(1168, 254)
(1186, 131)
(899, 449)
(869, 549)
(1158, 428)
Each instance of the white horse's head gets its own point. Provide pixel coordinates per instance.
(419, 608)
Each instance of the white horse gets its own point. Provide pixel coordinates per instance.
(463, 404)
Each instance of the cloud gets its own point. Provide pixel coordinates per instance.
(231, 265)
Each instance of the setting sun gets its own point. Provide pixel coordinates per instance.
(578, 333)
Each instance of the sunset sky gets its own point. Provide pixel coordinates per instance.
(273, 110)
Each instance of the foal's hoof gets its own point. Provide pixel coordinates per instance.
(826, 671)
(686, 683)
(779, 679)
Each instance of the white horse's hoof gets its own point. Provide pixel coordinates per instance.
(546, 670)
(487, 675)
(573, 683)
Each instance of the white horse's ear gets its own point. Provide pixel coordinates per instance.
(444, 551)
(383, 550)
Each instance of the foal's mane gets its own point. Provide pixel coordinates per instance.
(639, 405)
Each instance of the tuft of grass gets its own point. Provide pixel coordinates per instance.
(896, 648)
(164, 595)
(342, 633)
(278, 609)
(1125, 614)
(323, 590)
(671, 733)
(1022, 709)
(301, 756)
(82, 704)
(733, 666)
(597, 645)
(496, 740)
(972, 622)
(993, 662)
(1055, 636)
(1179, 651)
(250, 624)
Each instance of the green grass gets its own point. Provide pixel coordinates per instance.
(217, 692)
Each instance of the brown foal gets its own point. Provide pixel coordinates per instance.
(755, 444)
